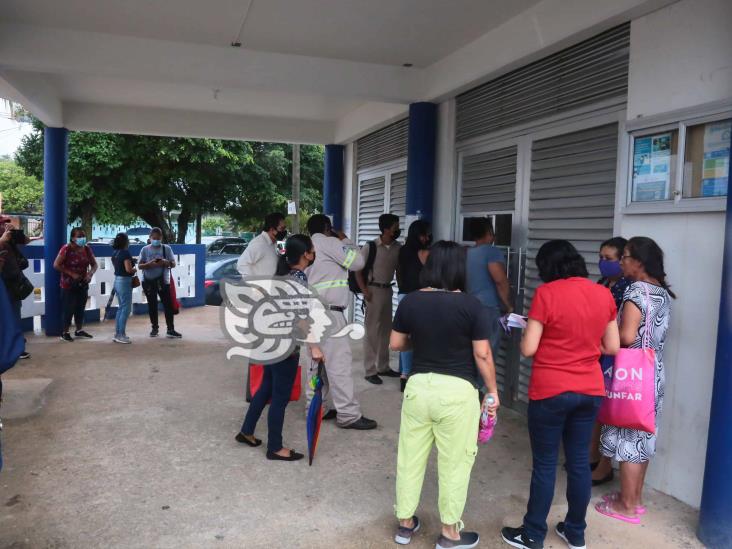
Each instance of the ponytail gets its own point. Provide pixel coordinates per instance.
(650, 255)
(282, 267)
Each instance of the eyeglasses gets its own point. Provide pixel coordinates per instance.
(623, 257)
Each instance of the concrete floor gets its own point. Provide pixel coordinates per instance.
(132, 446)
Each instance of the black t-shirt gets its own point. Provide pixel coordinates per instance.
(118, 260)
(409, 269)
(442, 327)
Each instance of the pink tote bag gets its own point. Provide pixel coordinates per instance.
(630, 384)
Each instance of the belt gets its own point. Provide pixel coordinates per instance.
(379, 285)
(336, 308)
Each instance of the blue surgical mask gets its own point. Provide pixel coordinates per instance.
(155, 243)
(81, 241)
(610, 269)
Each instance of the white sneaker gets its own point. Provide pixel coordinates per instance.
(122, 339)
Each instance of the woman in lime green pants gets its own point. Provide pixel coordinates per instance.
(449, 334)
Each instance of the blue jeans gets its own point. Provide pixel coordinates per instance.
(123, 287)
(405, 357)
(568, 418)
(277, 385)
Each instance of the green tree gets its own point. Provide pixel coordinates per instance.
(21, 193)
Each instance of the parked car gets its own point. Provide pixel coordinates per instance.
(216, 245)
(218, 268)
(233, 249)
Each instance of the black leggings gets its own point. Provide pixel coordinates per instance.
(153, 289)
(74, 303)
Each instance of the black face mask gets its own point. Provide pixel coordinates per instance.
(427, 242)
(397, 234)
(310, 262)
(281, 235)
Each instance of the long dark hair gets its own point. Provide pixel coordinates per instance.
(445, 267)
(558, 259)
(417, 229)
(121, 241)
(650, 255)
(295, 246)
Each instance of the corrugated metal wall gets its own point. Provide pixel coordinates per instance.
(384, 145)
(489, 181)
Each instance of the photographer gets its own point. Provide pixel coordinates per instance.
(77, 265)
(14, 263)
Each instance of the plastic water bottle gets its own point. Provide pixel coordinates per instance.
(487, 423)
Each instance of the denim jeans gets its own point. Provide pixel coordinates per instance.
(123, 288)
(405, 357)
(568, 418)
(277, 385)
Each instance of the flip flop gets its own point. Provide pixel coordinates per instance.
(605, 508)
(614, 496)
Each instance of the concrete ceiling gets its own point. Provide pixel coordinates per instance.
(307, 70)
(390, 32)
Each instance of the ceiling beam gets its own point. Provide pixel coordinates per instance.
(56, 51)
(34, 93)
(185, 123)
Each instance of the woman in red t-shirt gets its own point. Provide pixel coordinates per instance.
(77, 265)
(571, 322)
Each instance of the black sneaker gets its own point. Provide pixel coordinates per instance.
(25, 355)
(390, 373)
(67, 337)
(560, 532)
(404, 534)
(361, 424)
(154, 332)
(173, 334)
(517, 538)
(83, 334)
(376, 380)
(466, 541)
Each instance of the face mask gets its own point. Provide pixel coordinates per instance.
(281, 235)
(610, 269)
(81, 241)
(396, 234)
(155, 243)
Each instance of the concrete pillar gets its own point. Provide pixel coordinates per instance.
(715, 514)
(55, 212)
(333, 184)
(421, 159)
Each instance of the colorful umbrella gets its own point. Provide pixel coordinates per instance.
(315, 412)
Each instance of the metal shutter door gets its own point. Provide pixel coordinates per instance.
(572, 197)
(371, 194)
(384, 145)
(489, 181)
(592, 71)
(398, 206)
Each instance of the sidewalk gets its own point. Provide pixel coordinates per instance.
(133, 446)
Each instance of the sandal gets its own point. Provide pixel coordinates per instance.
(241, 437)
(615, 496)
(606, 508)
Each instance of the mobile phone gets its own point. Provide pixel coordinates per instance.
(18, 236)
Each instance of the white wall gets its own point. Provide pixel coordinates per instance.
(681, 57)
(349, 191)
(445, 192)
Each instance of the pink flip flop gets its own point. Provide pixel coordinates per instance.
(614, 496)
(605, 508)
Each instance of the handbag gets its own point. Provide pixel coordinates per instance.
(173, 295)
(255, 374)
(19, 287)
(135, 281)
(630, 385)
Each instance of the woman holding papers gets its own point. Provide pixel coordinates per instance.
(571, 322)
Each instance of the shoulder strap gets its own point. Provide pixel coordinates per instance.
(646, 341)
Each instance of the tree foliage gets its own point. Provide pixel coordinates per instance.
(21, 193)
(116, 178)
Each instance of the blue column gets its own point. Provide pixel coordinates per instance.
(421, 159)
(55, 212)
(333, 184)
(715, 516)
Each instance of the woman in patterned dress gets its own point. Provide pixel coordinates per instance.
(645, 314)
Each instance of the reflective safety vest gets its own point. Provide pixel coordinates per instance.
(329, 274)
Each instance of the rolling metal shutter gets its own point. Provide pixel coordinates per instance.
(572, 197)
(589, 72)
(489, 181)
(371, 195)
(384, 145)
